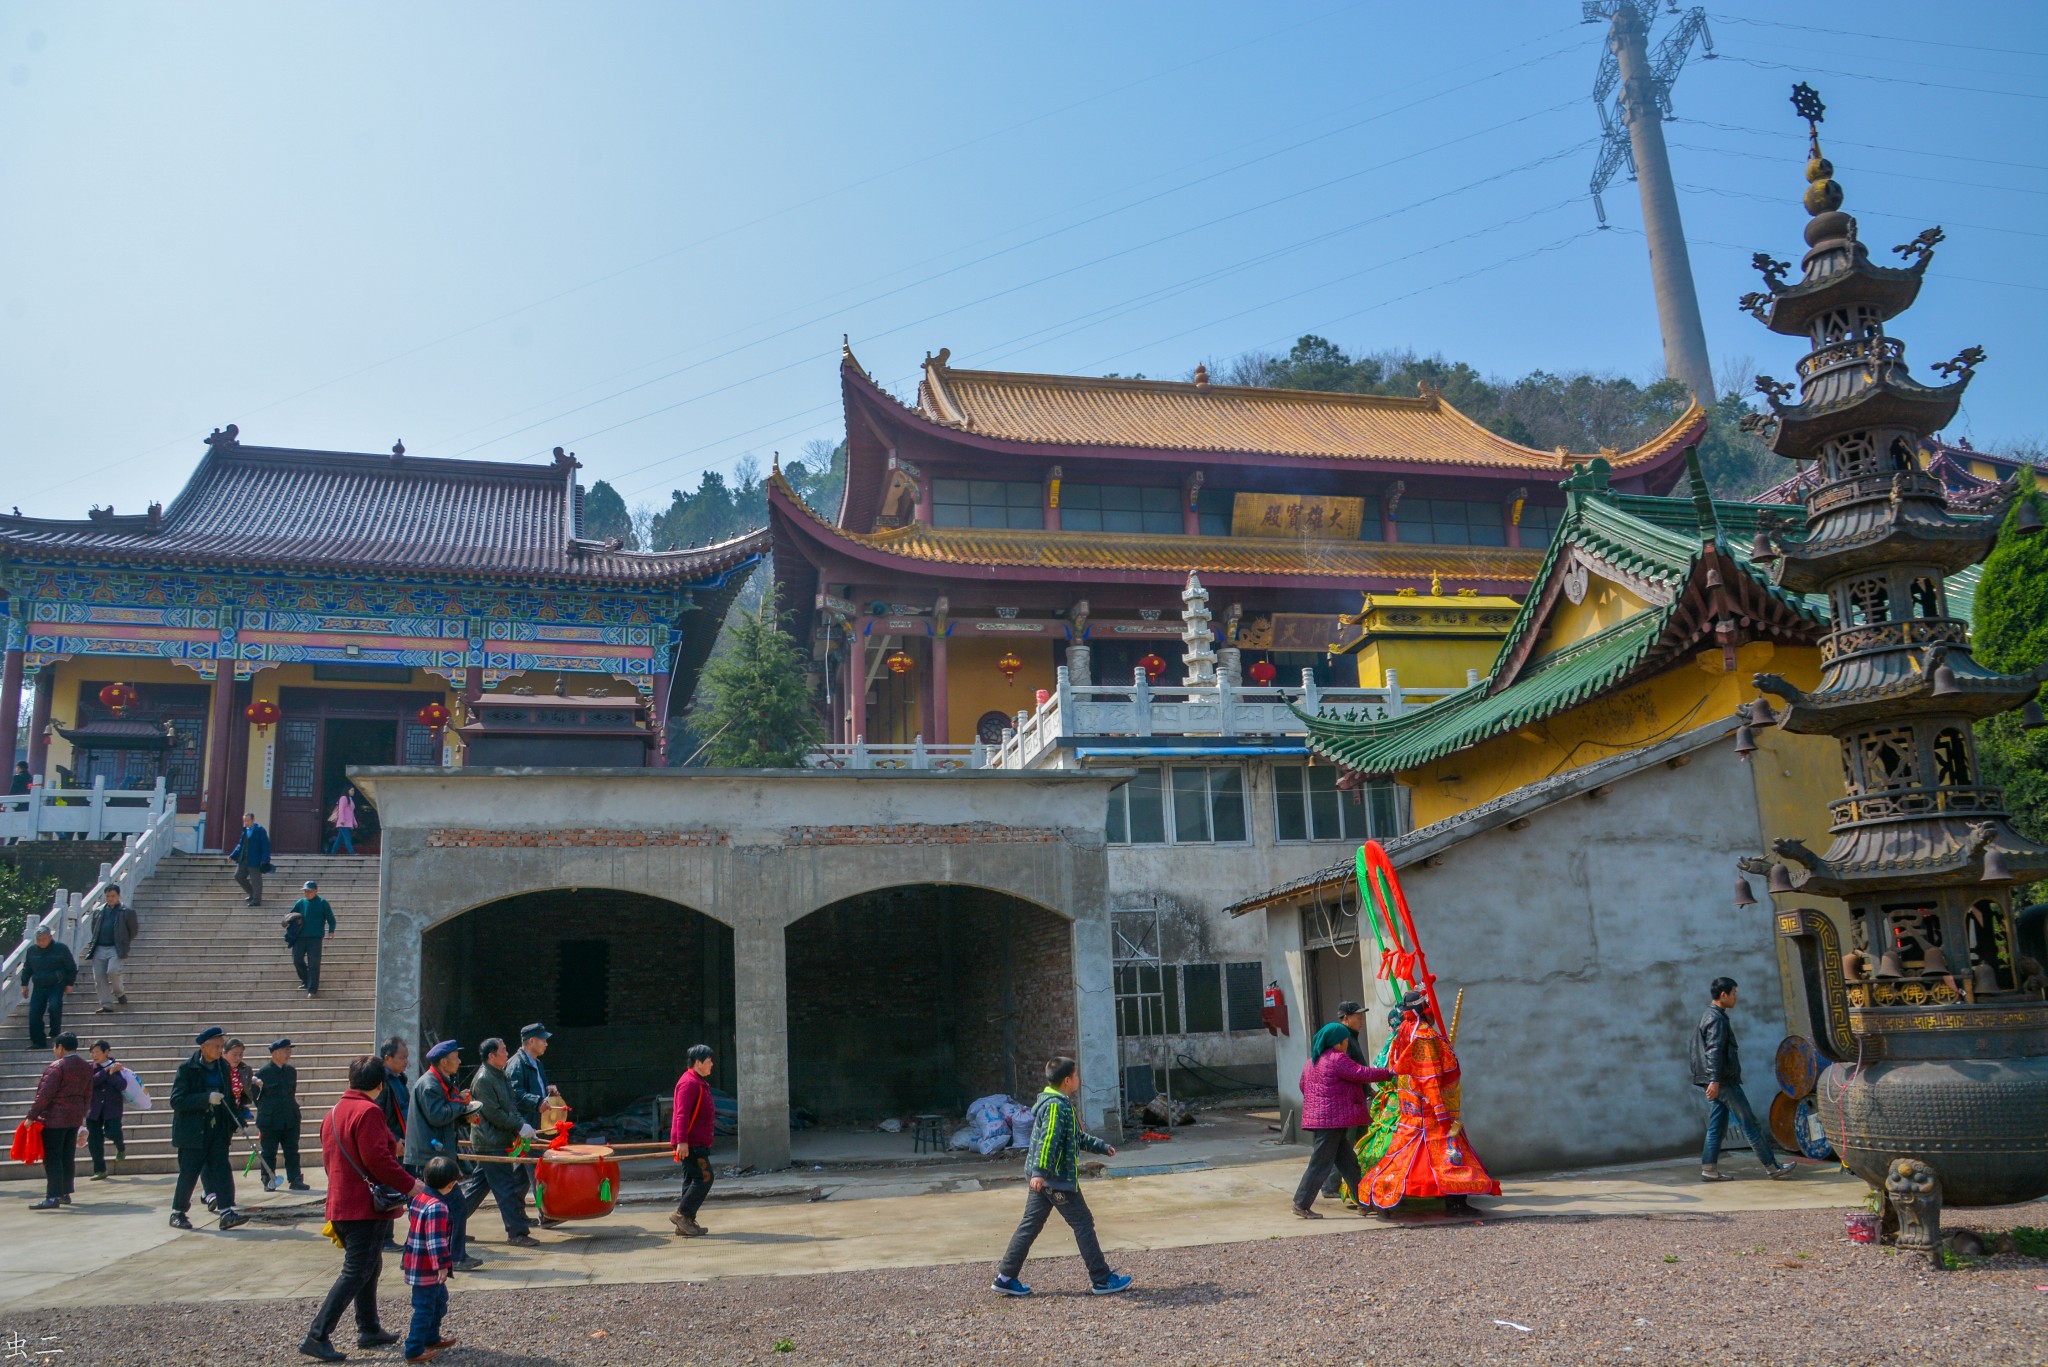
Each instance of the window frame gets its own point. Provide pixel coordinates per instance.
(1377, 801)
(1164, 780)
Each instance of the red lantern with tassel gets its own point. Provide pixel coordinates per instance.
(264, 713)
(1262, 673)
(899, 662)
(118, 698)
(1153, 666)
(434, 715)
(1010, 664)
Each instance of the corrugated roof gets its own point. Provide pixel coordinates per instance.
(1348, 561)
(1069, 410)
(251, 506)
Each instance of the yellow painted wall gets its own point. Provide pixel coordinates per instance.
(1606, 604)
(106, 669)
(1432, 662)
(974, 685)
(1685, 696)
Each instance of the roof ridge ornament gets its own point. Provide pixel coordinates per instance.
(230, 435)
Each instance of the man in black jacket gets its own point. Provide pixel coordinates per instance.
(277, 1116)
(1717, 1067)
(203, 1121)
(47, 973)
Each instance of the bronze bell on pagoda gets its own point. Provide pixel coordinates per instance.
(1888, 965)
(1984, 978)
(1781, 878)
(2026, 522)
(1761, 713)
(2031, 718)
(1994, 867)
(1745, 896)
(1944, 681)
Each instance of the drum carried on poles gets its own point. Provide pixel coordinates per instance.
(576, 1182)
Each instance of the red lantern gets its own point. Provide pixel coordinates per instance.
(899, 662)
(434, 715)
(117, 698)
(264, 713)
(1153, 666)
(1010, 664)
(1263, 673)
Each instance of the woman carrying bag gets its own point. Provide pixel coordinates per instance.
(367, 1189)
(344, 818)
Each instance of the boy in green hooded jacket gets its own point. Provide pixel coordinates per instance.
(1052, 1165)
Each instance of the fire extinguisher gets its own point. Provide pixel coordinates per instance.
(1273, 1013)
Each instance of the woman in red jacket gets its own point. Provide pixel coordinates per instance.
(692, 1132)
(356, 1148)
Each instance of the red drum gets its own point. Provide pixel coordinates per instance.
(576, 1182)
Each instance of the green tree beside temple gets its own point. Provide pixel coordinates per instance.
(2010, 633)
(755, 707)
(605, 515)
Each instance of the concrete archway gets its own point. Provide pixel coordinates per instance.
(626, 982)
(924, 996)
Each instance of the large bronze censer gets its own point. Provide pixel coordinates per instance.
(1933, 1014)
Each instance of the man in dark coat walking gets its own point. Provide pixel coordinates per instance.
(251, 858)
(113, 934)
(277, 1116)
(47, 973)
(62, 1098)
(499, 1126)
(439, 1112)
(203, 1122)
(1717, 1067)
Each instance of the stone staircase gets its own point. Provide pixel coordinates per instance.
(202, 958)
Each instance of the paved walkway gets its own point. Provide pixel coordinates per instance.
(115, 1248)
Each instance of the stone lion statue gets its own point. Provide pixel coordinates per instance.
(1914, 1189)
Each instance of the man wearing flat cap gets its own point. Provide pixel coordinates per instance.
(203, 1121)
(440, 1111)
(529, 1079)
(277, 1117)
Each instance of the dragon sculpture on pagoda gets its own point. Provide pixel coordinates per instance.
(1934, 1015)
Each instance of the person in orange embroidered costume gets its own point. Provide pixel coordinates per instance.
(1429, 1155)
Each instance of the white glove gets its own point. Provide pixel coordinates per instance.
(528, 1132)
(213, 1098)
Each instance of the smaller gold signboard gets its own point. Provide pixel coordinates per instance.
(1296, 515)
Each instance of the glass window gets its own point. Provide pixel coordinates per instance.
(1206, 803)
(1371, 522)
(1308, 805)
(1202, 998)
(1451, 522)
(1121, 508)
(1137, 811)
(1245, 994)
(1539, 524)
(987, 503)
(1213, 509)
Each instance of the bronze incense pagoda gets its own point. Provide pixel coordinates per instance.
(1935, 1019)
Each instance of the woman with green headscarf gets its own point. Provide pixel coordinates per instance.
(1333, 1099)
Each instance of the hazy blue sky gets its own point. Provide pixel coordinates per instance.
(638, 230)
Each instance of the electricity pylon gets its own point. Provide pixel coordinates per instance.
(1633, 137)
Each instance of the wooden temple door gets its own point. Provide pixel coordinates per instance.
(323, 732)
(295, 815)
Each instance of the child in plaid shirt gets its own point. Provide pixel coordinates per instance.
(429, 1258)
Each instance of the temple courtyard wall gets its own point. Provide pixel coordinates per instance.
(1584, 917)
(875, 936)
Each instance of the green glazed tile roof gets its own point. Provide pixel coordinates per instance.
(1660, 540)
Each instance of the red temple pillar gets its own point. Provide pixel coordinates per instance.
(39, 719)
(936, 731)
(472, 683)
(857, 685)
(658, 756)
(10, 708)
(219, 736)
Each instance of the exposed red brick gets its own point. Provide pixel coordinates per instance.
(468, 838)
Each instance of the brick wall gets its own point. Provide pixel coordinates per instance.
(923, 998)
(481, 838)
(494, 969)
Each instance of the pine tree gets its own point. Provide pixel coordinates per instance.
(604, 515)
(756, 708)
(2010, 634)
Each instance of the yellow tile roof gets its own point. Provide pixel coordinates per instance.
(1070, 410)
(1082, 551)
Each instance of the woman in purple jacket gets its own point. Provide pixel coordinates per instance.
(1333, 1099)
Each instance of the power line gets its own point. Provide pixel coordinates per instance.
(1258, 259)
(1915, 40)
(1863, 170)
(1789, 138)
(1803, 69)
(840, 309)
(727, 232)
(1945, 275)
(1861, 212)
(1084, 265)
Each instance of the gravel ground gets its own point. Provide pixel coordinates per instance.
(1751, 1288)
